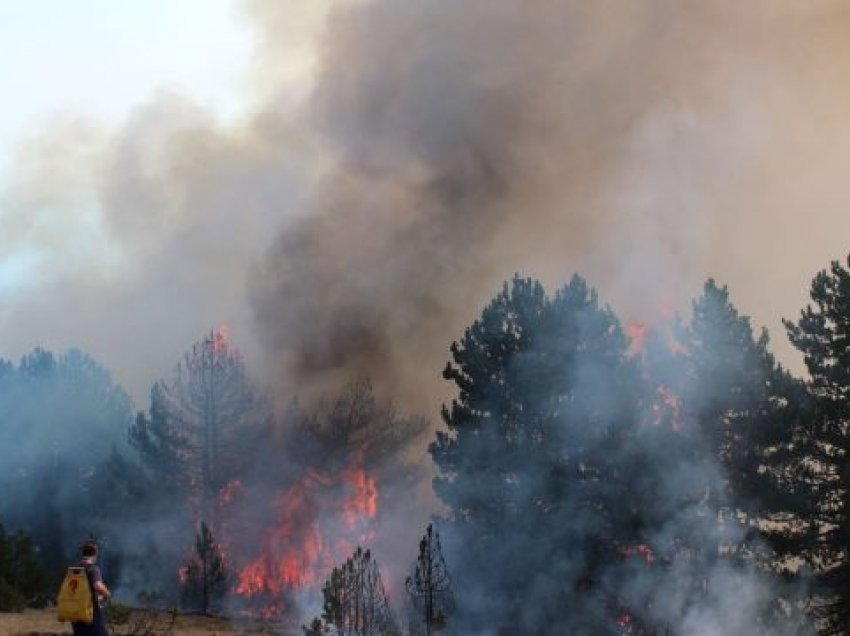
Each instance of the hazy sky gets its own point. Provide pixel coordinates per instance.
(98, 60)
(102, 58)
(77, 77)
(344, 184)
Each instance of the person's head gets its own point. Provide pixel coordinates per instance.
(89, 550)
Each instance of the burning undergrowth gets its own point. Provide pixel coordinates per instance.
(306, 494)
(317, 524)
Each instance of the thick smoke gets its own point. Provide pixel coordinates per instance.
(642, 145)
(435, 150)
(355, 223)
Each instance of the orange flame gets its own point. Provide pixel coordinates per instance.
(308, 539)
(668, 404)
(637, 333)
(364, 503)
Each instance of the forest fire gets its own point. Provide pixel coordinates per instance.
(642, 550)
(320, 520)
(665, 405)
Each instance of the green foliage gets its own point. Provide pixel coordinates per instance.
(23, 583)
(756, 419)
(430, 586)
(546, 392)
(161, 448)
(737, 424)
(200, 434)
(59, 417)
(586, 482)
(822, 334)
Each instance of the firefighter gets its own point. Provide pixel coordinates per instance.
(100, 593)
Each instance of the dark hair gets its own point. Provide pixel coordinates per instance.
(89, 549)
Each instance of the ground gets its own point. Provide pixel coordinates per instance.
(44, 623)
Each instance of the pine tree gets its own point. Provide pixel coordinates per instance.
(822, 334)
(353, 424)
(203, 427)
(162, 448)
(60, 416)
(430, 586)
(754, 418)
(205, 576)
(23, 582)
(546, 396)
(355, 601)
(730, 421)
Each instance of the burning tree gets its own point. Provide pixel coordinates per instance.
(731, 420)
(194, 448)
(354, 427)
(430, 587)
(343, 458)
(355, 601)
(204, 426)
(205, 577)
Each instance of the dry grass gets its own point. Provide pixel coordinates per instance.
(44, 623)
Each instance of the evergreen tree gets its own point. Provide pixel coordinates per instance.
(203, 427)
(531, 467)
(23, 582)
(822, 334)
(60, 416)
(430, 586)
(205, 576)
(355, 601)
(162, 448)
(755, 420)
(353, 428)
(732, 422)
(733, 395)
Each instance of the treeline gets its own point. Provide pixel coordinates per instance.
(182, 496)
(676, 483)
(594, 479)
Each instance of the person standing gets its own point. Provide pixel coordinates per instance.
(99, 591)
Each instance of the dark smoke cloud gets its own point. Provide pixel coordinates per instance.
(357, 221)
(639, 143)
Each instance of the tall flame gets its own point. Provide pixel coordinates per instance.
(309, 538)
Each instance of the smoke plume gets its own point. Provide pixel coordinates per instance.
(400, 159)
(647, 146)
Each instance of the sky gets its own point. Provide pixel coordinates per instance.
(76, 72)
(343, 185)
(102, 58)
(98, 60)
